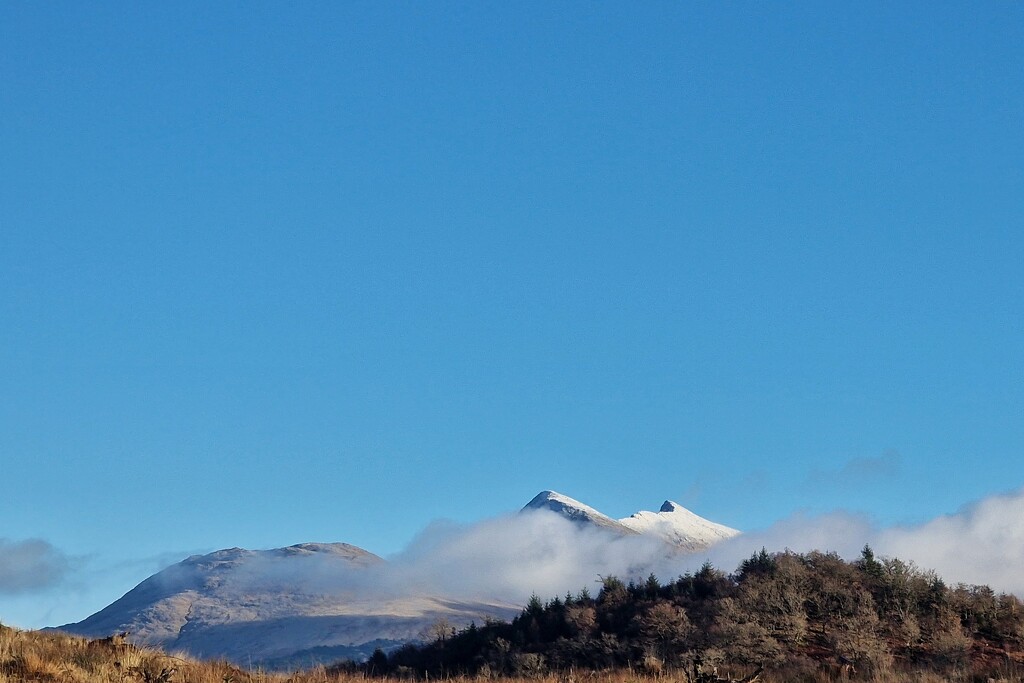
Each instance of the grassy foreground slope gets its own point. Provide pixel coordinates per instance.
(54, 657)
(51, 657)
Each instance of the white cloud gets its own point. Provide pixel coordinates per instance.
(981, 543)
(510, 557)
(31, 565)
(514, 556)
(501, 559)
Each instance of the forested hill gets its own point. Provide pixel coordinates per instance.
(809, 616)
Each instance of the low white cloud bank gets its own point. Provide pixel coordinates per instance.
(839, 532)
(512, 557)
(981, 543)
(504, 559)
(539, 552)
(30, 566)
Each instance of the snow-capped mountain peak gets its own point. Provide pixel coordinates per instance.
(575, 510)
(673, 523)
(561, 503)
(679, 526)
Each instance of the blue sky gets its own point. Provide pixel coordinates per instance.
(278, 273)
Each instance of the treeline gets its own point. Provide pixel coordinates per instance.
(810, 615)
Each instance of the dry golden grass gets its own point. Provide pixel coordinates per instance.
(58, 658)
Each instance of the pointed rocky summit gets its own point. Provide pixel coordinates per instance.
(673, 523)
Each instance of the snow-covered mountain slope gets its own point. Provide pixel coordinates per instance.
(575, 511)
(673, 523)
(270, 607)
(679, 526)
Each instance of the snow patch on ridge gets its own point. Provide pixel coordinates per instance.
(672, 524)
(575, 510)
(679, 526)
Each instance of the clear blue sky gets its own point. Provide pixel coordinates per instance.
(273, 273)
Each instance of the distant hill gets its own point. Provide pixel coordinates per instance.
(276, 608)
